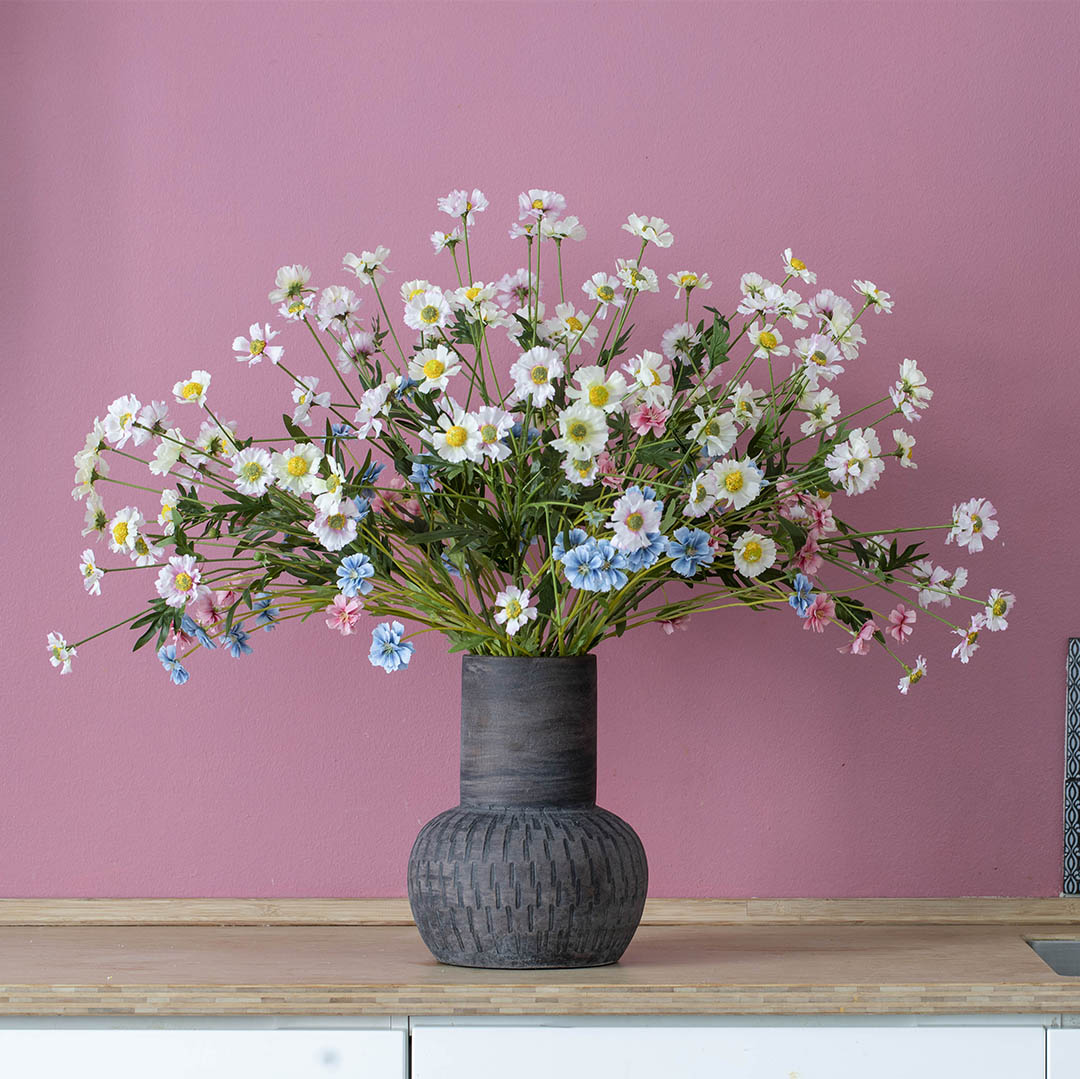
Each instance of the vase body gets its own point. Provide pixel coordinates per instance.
(527, 872)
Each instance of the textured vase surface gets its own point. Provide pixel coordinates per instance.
(527, 872)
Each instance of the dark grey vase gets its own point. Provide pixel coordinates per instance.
(527, 872)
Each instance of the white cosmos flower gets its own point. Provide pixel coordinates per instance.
(91, 573)
(767, 341)
(143, 551)
(856, 464)
(686, 281)
(411, 289)
(581, 473)
(998, 605)
(470, 298)
(252, 348)
(369, 266)
(786, 303)
(123, 529)
(433, 368)
(797, 268)
(442, 240)
(60, 652)
(738, 483)
(337, 527)
(679, 342)
(514, 289)
(296, 309)
(599, 388)
(355, 352)
(716, 431)
(652, 229)
(329, 489)
(427, 311)
(295, 469)
(463, 204)
(95, 518)
(120, 419)
(969, 639)
(252, 470)
(904, 445)
(973, 521)
(216, 439)
(534, 374)
(372, 406)
(847, 333)
(604, 289)
(457, 436)
(747, 404)
(935, 584)
(753, 286)
(337, 305)
(878, 299)
(651, 378)
(583, 431)
(90, 466)
(167, 511)
(513, 608)
(913, 675)
(633, 276)
(910, 393)
(633, 517)
(151, 421)
(290, 282)
(754, 553)
(821, 358)
(821, 408)
(494, 425)
(178, 582)
(569, 326)
(305, 395)
(564, 228)
(536, 203)
(168, 452)
(702, 496)
(192, 390)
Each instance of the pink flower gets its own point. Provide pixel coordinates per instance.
(646, 418)
(211, 608)
(670, 625)
(606, 467)
(344, 614)
(860, 643)
(821, 612)
(717, 539)
(901, 623)
(809, 557)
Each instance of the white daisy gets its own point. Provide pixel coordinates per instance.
(252, 470)
(998, 605)
(123, 529)
(167, 511)
(738, 483)
(702, 496)
(217, 439)
(355, 352)
(638, 278)
(295, 469)
(372, 406)
(305, 396)
(904, 445)
(651, 229)
(679, 342)
(296, 309)
(878, 299)
(856, 463)
(786, 303)
(433, 368)
(151, 421)
(143, 551)
(192, 390)
(797, 268)
(599, 388)
(369, 266)
(494, 425)
(973, 521)
(463, 204)
(969, 639)
(329, 490)
(513, 608)
(650, 378)
(935, 584)
(178, 582)
(563, 228)
(715, 430)
(581, 473)
(536, 203)
(252, 348)
(604, 289)
(821, 408)
(91, 573)
(534, 373)
(685, 281)
(767, 341)
(583, 431)
(821, 358)
(120, 419)
(633, 517)
(569, 326)
(442, 240)
(427, 311)
(411, 289)
(337, 305)
(168, 452)
(754, 553)
(748, 404)
(95, 518)
(910, 393)
(913, 675)
(457, 436)
(337, 527)
(753, 286)
(60, 652)
(290, 282)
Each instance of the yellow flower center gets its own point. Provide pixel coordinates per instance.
(183, 582)
(166, 511)
(539, 374)
(434, 368)
(578, 431)
(192, 389)
(605, 293)
(976, 523)
(972, 637)
(798, 264)
(699, 492)
(634, 522)
(688, 280)
(429, 313)
(915, 676)
(120, 533)
(574, 323)
(598, 395)
(634, 277)
(89, 569)
(253, 471)
(141, 547)
(257, 347)
(58, 651)
(712, 428)
(125, 419)
(513, 609)
(297, 466)
(332, 482)
(538, 204)
(294, 309)
(999, 607)
(752, 552)
(819, 358)
(456, 436)
(655, 378)
(489, 433)
(733, 481)
(584, 469)
(472, 293)
(336, 521)
(767, 339)
(416, 292)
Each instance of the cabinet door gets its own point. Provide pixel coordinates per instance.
(202, 1054)
(1062, 1054)
(640, 1052)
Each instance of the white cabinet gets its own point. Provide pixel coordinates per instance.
(203, 1054)
(686, 1052)
(1063, 1054)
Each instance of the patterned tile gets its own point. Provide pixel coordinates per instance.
(1072, 770)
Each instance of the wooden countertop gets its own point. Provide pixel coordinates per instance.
(745, 968)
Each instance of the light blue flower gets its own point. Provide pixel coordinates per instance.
(353, 574)
(644, 557)
(266, 615)
(405, 387)
(689, 547)
(342, 430)
(567, 541)
(421, 476)
(363, 481)
(802, 599)
(192, 628)
(515, 432)
(236, 641)
(177, 672)
(388, 650)
(612, 565)
(581, 565)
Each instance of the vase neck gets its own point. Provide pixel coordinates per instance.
(528, 730)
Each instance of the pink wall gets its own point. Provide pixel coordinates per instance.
(167, 158)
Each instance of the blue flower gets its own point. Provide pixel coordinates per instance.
(802, 599)
(353, 574)
(363, 507)
(612, 565)
(236, 641)
(644, 557)
(388, 650)
(421, 476)
(689, 547)
(406, 387)
(267, 615)
(367, 477)
(177, 672)
(515, 432)
(581, 565)
(192, 628)
(342, 430)
(567, 541)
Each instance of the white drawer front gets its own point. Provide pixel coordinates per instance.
(199, 1054)
(1062, 1054)
(640, 1052)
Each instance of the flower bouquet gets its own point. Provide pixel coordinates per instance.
(494, 459)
